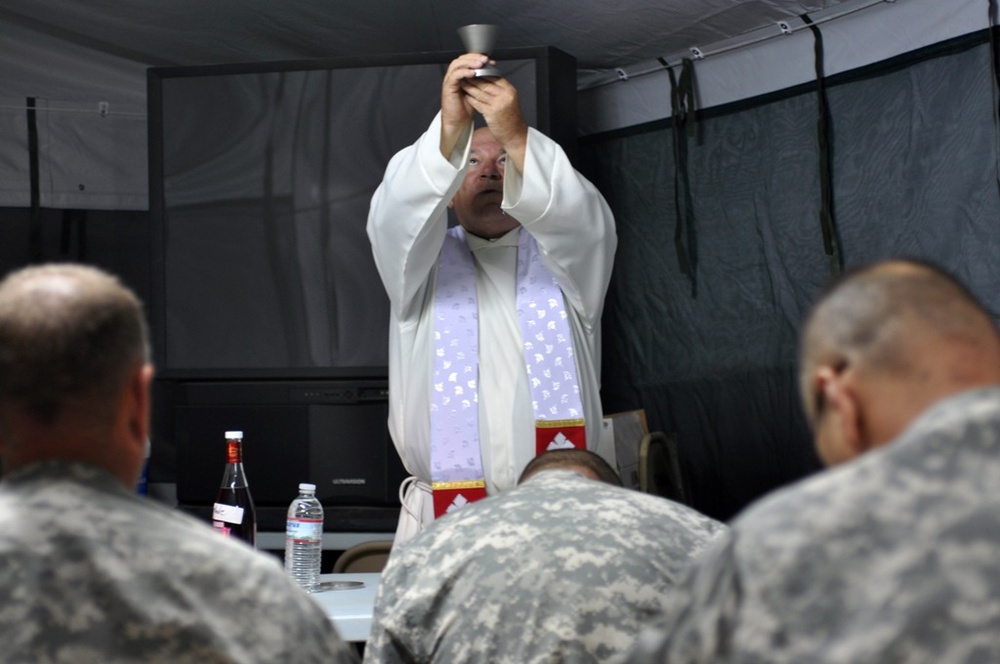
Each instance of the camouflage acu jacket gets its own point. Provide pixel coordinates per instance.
(559, 569)
(894, 557)
(92, 573)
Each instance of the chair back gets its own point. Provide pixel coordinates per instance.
(364, 557)
(659, 467)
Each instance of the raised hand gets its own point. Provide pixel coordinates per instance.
(497, 101)
(456, 109)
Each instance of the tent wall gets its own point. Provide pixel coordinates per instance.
(772, 60)
(74, 72)
(90, 118)
(117, 240)
(711, 356)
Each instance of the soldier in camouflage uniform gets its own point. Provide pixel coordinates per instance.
(90, 571)
(894, 555)
(561, 568)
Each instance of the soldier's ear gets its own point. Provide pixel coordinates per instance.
(837, 421)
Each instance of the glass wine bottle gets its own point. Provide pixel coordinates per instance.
(233, 513)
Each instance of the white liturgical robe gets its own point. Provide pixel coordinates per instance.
(574, 229)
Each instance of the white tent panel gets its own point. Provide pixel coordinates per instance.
(877, 32)
(74, 173)
(91, 121)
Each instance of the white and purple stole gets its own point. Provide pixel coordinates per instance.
(457, 474)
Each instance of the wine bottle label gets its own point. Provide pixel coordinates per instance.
(227, 513)
(304, 530)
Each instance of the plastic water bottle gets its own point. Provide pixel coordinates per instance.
(304, 538)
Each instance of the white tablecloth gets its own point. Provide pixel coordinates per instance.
(350, 608)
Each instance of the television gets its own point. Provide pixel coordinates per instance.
(265, 298)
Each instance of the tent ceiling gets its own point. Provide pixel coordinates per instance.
(83, 65)
(600, 34)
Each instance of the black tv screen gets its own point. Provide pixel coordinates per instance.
(261, 177)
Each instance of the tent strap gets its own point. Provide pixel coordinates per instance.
(995, 82)
(682, 114)
(824, 128)
(35, 217)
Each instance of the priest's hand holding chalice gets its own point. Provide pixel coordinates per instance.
(474, 85)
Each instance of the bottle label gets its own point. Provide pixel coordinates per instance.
(227, 513)
(304, 530)
(234, 451)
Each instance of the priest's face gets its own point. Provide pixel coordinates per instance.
(477, 202)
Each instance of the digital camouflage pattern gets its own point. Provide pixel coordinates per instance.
(559, 569)
(894, 557)
(92, 573)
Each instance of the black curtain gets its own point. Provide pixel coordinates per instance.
(711, 355)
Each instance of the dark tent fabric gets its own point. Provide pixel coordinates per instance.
(914, 174)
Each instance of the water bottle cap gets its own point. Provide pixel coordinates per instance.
(306, 486)
(233, 434)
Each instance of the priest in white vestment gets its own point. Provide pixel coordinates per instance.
(513, 191)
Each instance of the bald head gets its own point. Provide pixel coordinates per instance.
(585, 462)
(71, 339)
(907, 327)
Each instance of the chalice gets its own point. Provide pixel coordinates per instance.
(480, 38)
